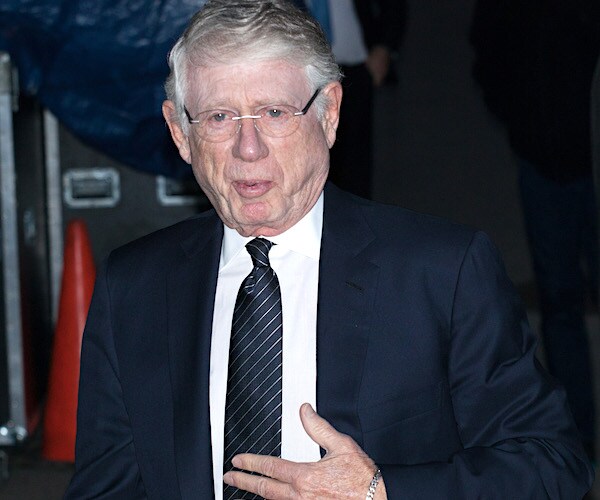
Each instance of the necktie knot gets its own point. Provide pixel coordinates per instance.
(258, 249)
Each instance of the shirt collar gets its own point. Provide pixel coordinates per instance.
(304, 237)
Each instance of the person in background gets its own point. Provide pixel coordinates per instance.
(297, 341)
(363, 35)
(534, 62)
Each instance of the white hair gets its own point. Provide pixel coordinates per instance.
(232, 31)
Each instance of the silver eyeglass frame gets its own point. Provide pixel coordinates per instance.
(302, 112)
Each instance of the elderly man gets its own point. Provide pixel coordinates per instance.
(210, 344)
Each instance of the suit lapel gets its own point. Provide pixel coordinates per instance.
(347, 287)
(190, 300)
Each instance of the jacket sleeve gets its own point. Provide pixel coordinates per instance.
(518, 437)
(105, 464)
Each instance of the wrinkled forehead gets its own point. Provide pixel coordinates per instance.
(247, 83)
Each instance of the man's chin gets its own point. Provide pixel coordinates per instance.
(259, 227)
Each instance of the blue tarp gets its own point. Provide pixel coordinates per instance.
(99, 67)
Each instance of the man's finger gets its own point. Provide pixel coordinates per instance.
(277, 468)
(320, 430)
(266, 487)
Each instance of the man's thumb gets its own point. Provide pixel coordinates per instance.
(319, 430)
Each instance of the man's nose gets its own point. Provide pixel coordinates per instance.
(249, 144)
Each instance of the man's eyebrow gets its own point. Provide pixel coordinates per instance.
(209, 107)
(258, 103)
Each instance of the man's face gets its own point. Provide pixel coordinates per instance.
(259, 185)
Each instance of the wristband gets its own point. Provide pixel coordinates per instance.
(373, 485)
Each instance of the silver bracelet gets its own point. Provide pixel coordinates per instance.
(373, 485)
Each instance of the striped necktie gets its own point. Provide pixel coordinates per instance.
(253, 402)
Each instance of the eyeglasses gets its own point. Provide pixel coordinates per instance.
(217, 125)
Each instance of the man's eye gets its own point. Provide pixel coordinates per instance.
(275, 112)
(218, 116)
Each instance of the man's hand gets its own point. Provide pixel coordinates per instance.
(344, 472)
(378, 64)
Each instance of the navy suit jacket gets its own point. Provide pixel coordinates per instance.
(424, 357)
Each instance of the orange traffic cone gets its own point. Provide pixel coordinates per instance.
(76, 292)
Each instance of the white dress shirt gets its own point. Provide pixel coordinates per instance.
(295, 260)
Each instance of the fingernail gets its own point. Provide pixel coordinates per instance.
(235, 461)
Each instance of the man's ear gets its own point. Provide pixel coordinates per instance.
(180, 139)
(331, 117)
